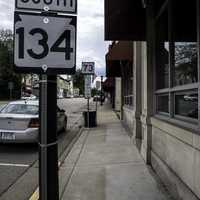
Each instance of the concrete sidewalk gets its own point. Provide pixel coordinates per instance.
(105, 165)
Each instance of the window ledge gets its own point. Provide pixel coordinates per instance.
(191, 127)
(182, 130)
(128, 107)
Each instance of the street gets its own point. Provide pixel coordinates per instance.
(17, 159)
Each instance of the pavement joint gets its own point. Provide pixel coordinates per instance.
(13, 165)
(74, 165)
(110, 164)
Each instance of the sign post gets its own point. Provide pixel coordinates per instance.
(88, 95)
(48, 146)
(88, 70)
(45, 44)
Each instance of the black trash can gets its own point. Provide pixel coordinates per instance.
(92, 119)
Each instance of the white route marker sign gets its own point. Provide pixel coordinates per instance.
(88, 68)
(45, 43)
(65, 6)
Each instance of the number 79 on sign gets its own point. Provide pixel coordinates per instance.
(88, 67)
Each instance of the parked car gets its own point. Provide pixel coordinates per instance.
(60, 96)
(96, 98)
(29, 97)
(2, 106)
(19, 121)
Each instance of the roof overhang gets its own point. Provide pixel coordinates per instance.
(122, 50)
(125, 20)
(118, 52)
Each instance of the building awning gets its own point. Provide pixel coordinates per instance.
(124, 20)
(122, 50)
(118, 52)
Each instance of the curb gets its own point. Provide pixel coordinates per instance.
(63, 155)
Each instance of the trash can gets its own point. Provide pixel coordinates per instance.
(92, 119)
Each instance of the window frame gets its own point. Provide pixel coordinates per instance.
(128, 85)
(172, 90)
(181, 117)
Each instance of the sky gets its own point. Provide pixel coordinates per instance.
(90, 30)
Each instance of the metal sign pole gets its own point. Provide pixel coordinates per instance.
(96, 105)
(88, 114)
(48, 147)
(10, 93)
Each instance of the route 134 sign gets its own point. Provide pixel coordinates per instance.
(45, 43)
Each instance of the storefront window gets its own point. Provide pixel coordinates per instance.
(177, 62)
(128, 84)
(162, 51)
(185, 63)
(163, 66)
(186, 104)
(163, 103)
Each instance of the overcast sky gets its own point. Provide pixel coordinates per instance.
(90, 41)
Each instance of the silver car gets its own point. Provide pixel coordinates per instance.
(19, 122)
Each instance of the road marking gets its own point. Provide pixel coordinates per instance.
(13, 165)
(35, 195)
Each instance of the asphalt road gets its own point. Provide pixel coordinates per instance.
(15, 159)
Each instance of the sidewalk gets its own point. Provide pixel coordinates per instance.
(105, 165)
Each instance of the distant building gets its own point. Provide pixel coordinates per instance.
(98, 85)
(30, 84)
(64, 86)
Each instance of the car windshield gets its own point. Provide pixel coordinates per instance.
(21, 109)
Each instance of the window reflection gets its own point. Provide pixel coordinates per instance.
(163, 103)
(163, 66)
(187, 104)
(185, 63)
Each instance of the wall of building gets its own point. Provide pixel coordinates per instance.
(176, 158)
(173, 152)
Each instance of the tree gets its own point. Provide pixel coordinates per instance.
(7, 73)
(94, 92)
(6, 35)
(78, 81)
(186, 62)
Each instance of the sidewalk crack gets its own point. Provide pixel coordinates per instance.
(74, 166)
